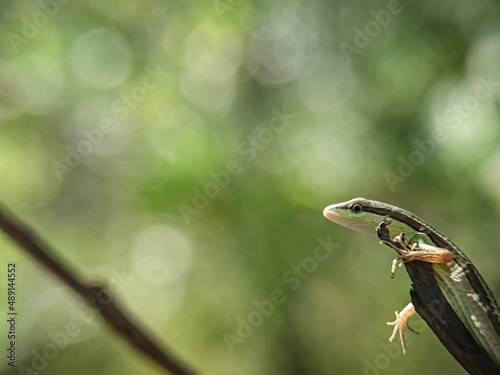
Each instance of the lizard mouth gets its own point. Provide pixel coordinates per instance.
(334, 214)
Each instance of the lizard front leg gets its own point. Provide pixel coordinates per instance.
(414, 248)
(409, 250)
(401, 323)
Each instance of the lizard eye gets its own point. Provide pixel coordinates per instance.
(356, 208)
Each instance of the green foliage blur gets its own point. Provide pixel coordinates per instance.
(183, 152)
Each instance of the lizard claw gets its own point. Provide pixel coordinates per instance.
(401, 323)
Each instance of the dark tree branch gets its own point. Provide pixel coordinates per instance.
(95, 295)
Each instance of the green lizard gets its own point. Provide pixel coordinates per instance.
(448, 292)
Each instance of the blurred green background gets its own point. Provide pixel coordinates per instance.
(183, 152)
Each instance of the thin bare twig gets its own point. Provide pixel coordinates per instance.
(96, 295)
